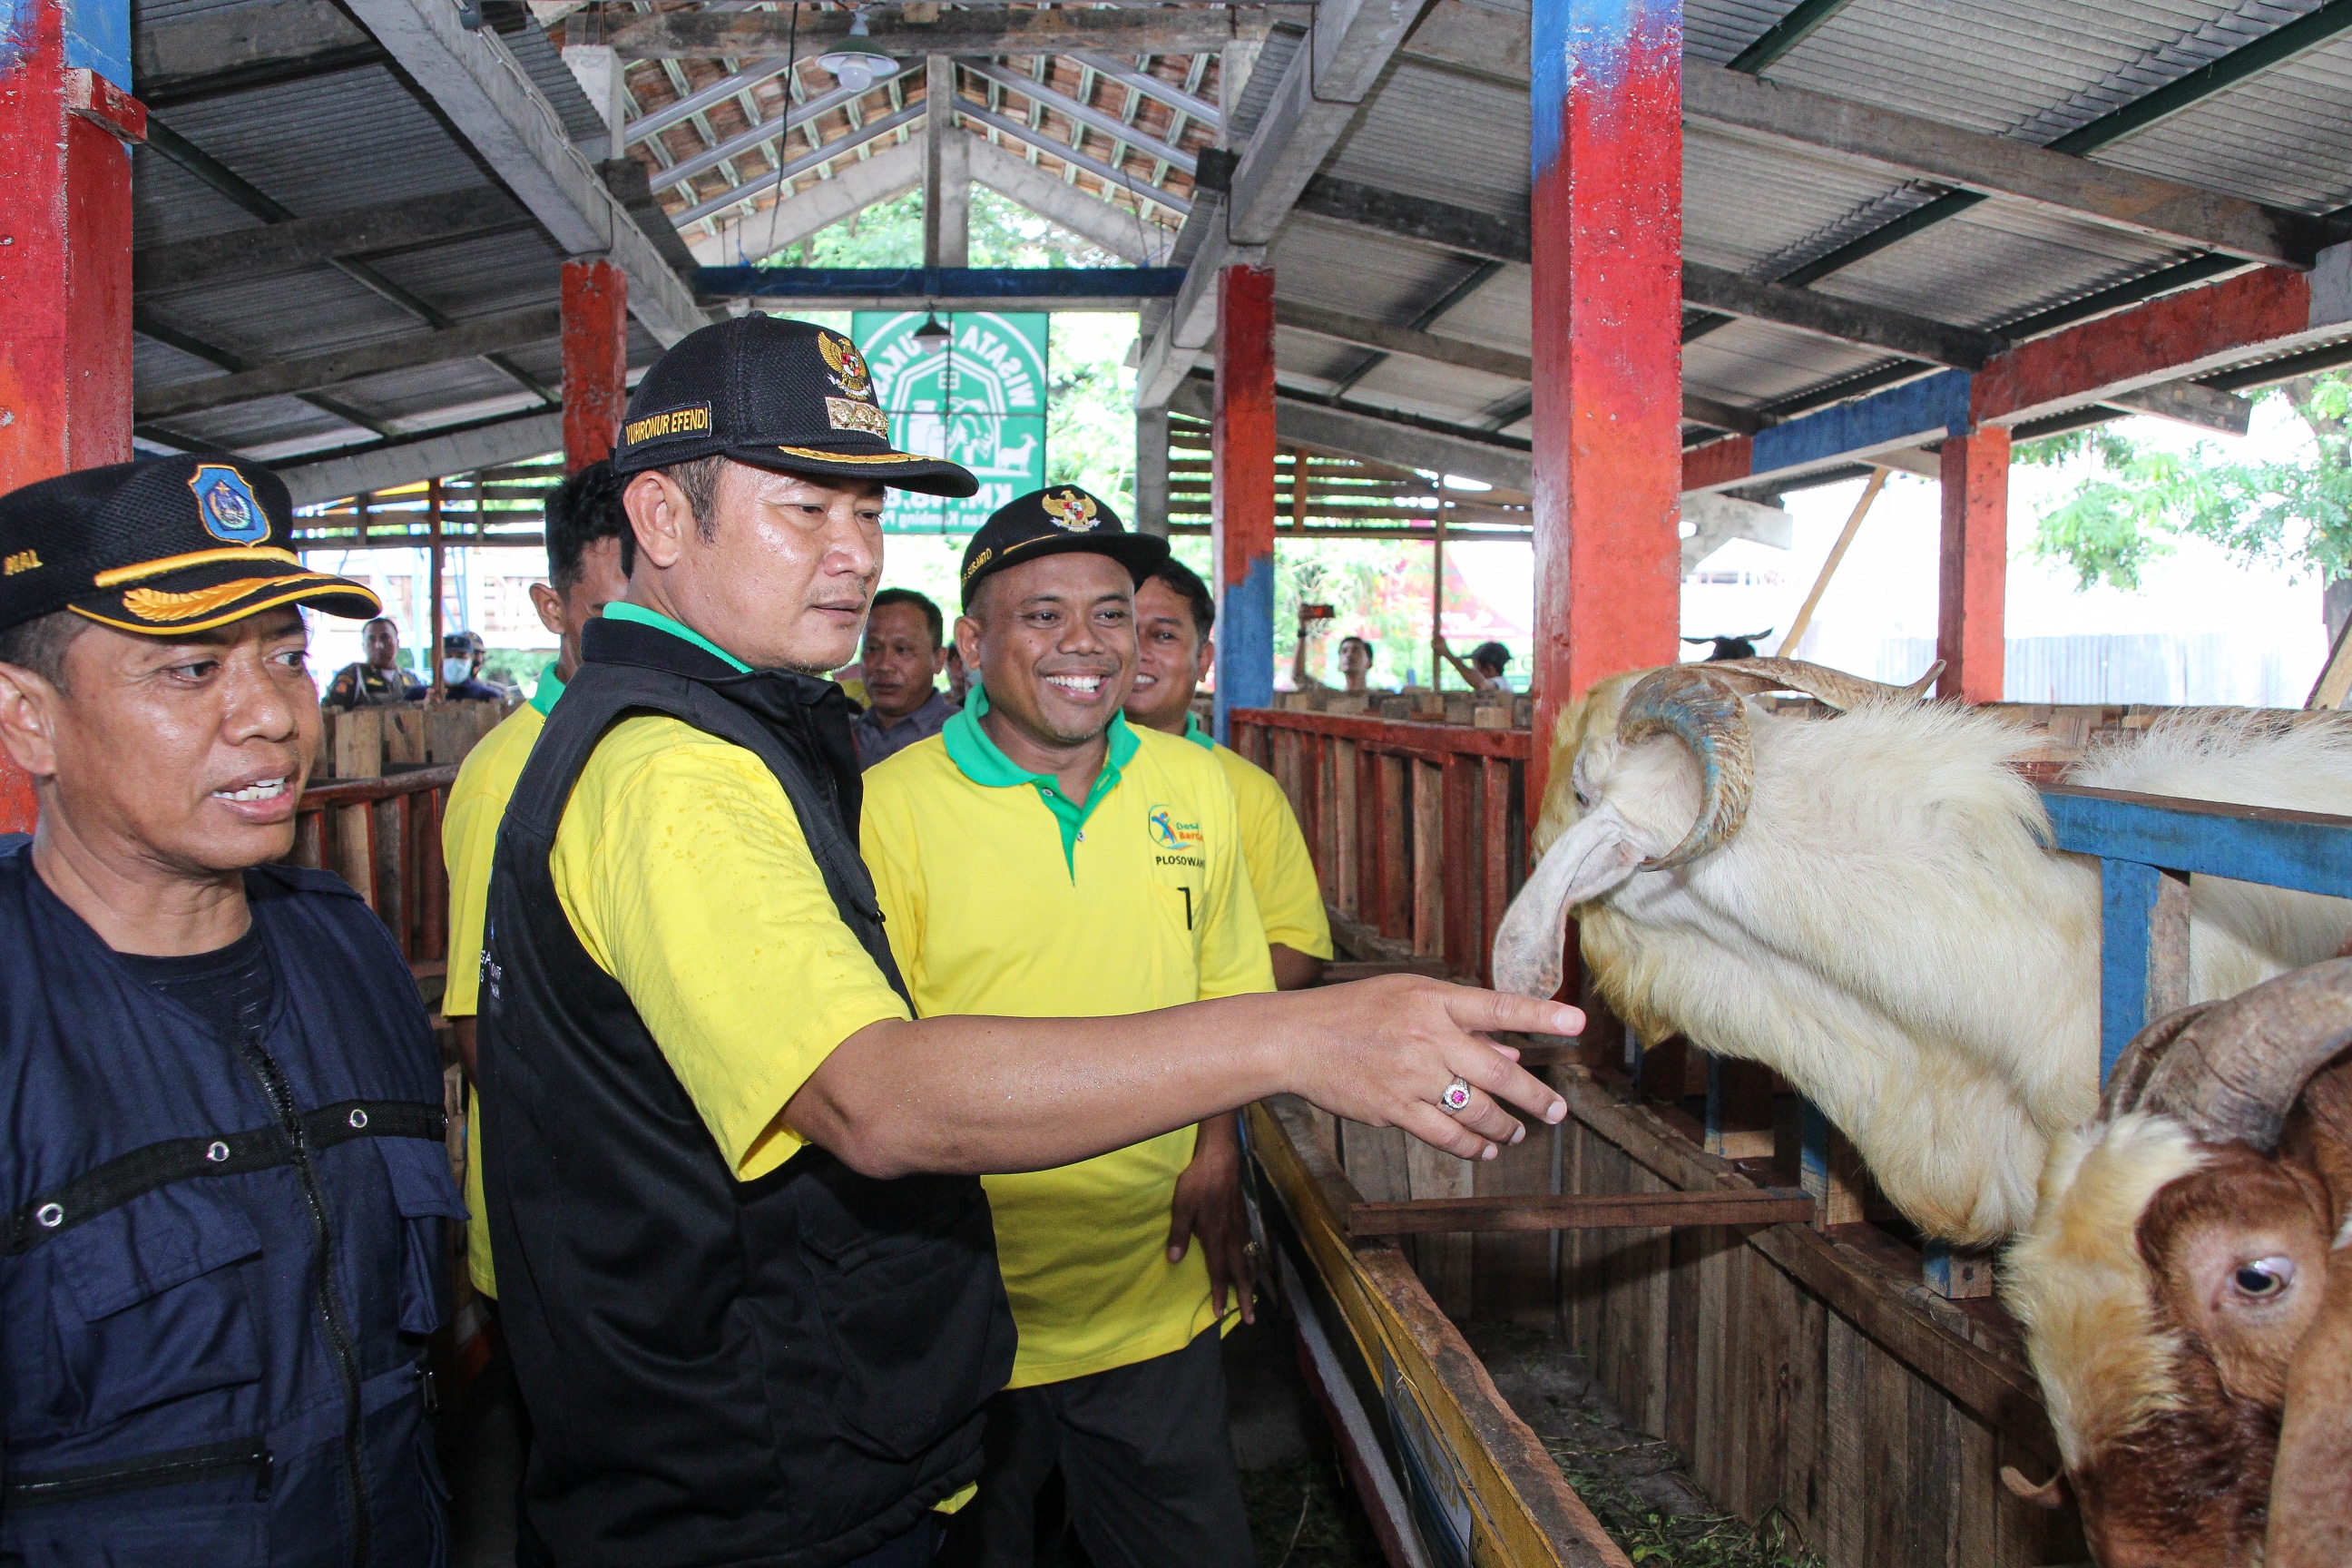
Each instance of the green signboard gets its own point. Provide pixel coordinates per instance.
(977, 397)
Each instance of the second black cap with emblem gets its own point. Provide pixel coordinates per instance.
(162, 547)
(1055, 520)
(775, 393)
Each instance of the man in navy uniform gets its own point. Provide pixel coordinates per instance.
(223, 1185)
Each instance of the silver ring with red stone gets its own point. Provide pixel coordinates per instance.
(1456, 1098)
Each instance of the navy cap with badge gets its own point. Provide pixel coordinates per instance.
(1056, 521)
(171, 544)
(778, 394)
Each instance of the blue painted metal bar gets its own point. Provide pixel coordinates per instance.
(2305, 850)
(1013, 285)
(1814, 1155)
(2139, 838)
(1924, 410)
(2128, 893)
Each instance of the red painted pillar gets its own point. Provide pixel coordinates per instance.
(1974, 576)
(67, 120)
(1241, 489)
(1606, 226)
(595, 360)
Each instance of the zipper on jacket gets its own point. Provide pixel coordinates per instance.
(175, 1468)
(265, 1070)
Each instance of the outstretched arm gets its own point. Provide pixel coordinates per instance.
(987, 1095)
(1299, 679)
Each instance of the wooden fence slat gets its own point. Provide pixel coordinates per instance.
(1346, 880)
(1495, 876)
(1395, 886)
(1428, 860)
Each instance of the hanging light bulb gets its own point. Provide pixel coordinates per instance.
(854, 62)
(932, 335)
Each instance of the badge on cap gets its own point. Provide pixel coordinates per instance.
(1070, 510)
(225, 505)
(849, 372)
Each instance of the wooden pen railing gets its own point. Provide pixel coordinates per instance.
(1417, 829)
(382, 836)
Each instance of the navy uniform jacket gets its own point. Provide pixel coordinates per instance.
(220, 1251)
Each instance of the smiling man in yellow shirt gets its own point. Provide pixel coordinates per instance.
(1039, 857)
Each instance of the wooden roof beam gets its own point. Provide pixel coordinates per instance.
(754, 35)
(495, 334)
(2120, 199)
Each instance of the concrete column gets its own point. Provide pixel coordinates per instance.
(1973, 580)
(947, 172)
(66, 125)
(1240, 493)
(595, 360)
(1606, 232)
(1151, 472)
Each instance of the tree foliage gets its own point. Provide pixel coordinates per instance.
(2135, 499)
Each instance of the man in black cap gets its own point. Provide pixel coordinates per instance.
(1042, 858)
(747, 1270)
(224, 1191)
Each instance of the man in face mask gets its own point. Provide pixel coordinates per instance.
(461, 657)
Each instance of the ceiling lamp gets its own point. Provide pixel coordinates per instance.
(854, 62)
(932, 335)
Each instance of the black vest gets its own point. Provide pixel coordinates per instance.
(786, 1372)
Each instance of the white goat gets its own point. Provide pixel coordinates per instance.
(1868, 904)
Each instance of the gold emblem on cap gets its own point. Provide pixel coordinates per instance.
(847, 414)
(849, 372)
(978, 562)
(1071, 510)
(23, 561)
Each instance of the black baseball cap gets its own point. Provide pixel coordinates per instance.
(1056, 521)
(779, 394)
(173, 544)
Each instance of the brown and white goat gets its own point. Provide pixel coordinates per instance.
(2187, 1307)
(1869, 905)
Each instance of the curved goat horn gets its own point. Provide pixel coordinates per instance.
(2232, 1070)
(1686, 701)
(1835, 687)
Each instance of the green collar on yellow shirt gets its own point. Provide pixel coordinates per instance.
(1194, 733)
(983, 762)
(659, 622)
(544, 696)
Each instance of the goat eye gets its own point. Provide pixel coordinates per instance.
(2264, 1276)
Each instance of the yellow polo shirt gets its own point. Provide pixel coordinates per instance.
(1001, 897)
(469, 838)
(1281, 872)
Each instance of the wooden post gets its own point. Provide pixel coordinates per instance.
(1831, 1171)
(1974, 565)
(1437, 591)
(595, 314)
(1787, 648)
(433, 545)
(66, 124)
(1605, 226)
(1241, 490)
(947, 164)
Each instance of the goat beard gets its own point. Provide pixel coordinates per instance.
(2189, 1487)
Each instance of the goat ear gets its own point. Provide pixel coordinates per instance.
(1583, 863)
(2051, 1493)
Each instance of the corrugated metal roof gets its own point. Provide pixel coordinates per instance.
(1445, 127)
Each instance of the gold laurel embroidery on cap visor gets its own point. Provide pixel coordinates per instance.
(157, 605)
(292, 590)
(114, 577)
(813, 455)
(847, 413)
